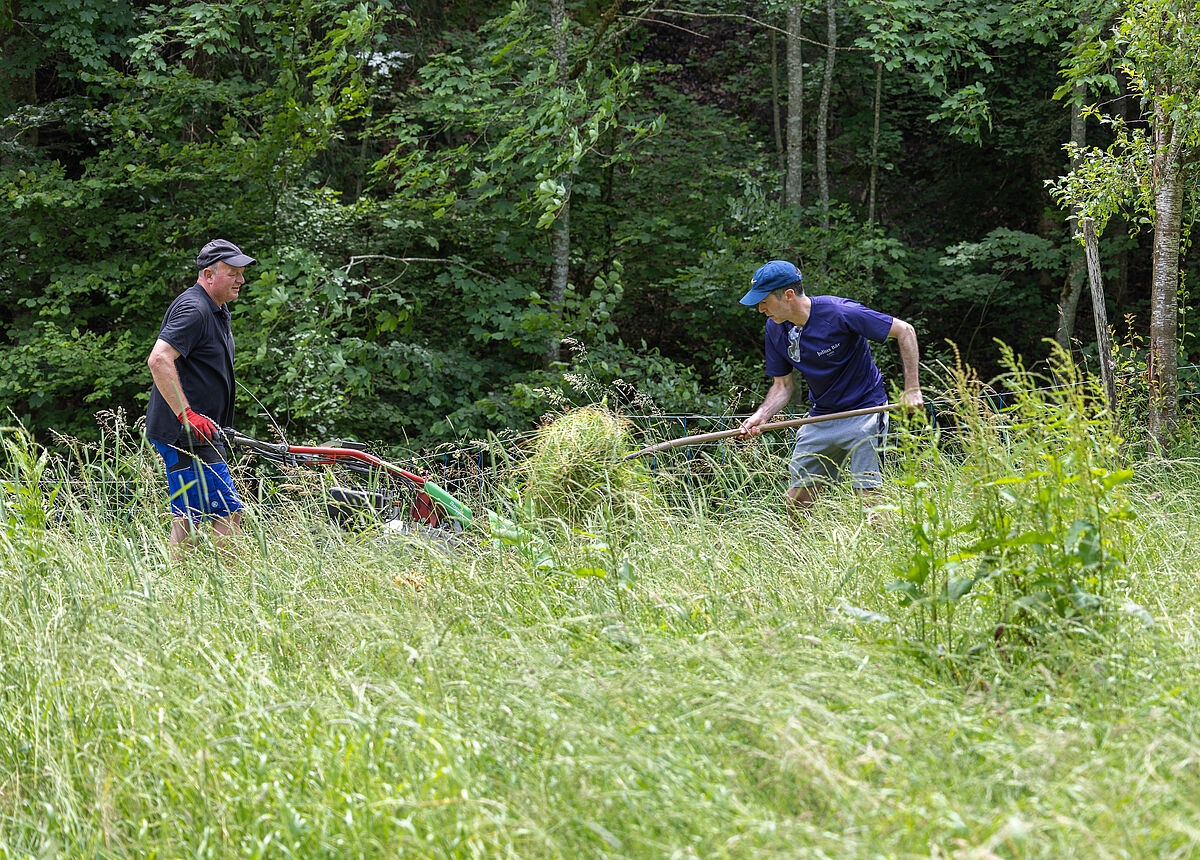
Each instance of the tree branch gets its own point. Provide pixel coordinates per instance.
(752, 21)
(605, 22)
(359, 258)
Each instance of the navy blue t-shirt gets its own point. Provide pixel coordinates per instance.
(831, 352)
(199, 328)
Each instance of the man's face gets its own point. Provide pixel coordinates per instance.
(223, 281)
(773, 305)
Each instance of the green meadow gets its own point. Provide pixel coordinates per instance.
(1001, 660)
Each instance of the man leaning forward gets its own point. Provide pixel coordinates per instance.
(825, 338)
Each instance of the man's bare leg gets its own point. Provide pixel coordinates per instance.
(227, 527)
(225, 530)
(871, 497)
(181, 530)
(800, 499)
(184, 536)
(181, 539)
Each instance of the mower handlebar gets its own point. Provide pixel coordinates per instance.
(318, 455)
(241, 440)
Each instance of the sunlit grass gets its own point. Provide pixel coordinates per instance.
(701, 680)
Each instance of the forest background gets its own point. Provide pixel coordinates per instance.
(467, 214)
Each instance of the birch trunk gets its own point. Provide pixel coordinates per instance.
(560, 234)
(775, 120)
(823, 110)
(794, 184)
(1164, 293)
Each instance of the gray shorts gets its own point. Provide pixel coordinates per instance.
(822, 450)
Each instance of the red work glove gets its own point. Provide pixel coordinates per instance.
(199, 424)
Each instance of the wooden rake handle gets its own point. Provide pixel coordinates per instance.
(700, 438)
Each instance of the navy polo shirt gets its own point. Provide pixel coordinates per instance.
(199, 328)
(832, 353)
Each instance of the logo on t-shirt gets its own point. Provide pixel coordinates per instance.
(832, 348)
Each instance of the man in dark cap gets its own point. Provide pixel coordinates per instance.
(192, 396)
(825, 338)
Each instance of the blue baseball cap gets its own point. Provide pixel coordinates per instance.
(769, 278)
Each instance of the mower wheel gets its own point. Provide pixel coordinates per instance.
(348, 507)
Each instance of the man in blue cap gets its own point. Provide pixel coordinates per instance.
(825, 338)
(192, 396)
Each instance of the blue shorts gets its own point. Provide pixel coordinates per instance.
(823, 449)
(198, 500)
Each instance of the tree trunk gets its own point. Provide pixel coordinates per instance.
(560, 235)
(1164, 292)
(875, 146)
(1092, 251)
(1068, 302)
(560, 254)
(823, 110)
(779, 153)
(795, 107)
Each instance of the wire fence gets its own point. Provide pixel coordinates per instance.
(453, 465)
(469, 468)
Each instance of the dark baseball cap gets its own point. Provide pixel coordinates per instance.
(225, 251)
(769, 278)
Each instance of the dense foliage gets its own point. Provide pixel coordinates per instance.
(399, 170)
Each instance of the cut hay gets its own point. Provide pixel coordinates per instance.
(576, 471)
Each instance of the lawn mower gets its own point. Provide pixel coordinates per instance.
(394, 496)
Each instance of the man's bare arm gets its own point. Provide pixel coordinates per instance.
(166, 378)
(910, 358)
(778, 396)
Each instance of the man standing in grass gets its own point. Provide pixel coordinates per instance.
(192, 396)
(825, 338)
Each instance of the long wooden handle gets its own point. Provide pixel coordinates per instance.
(774, 425)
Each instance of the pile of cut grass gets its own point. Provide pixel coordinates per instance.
(576, 470)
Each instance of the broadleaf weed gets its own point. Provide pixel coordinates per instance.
(28, 491)
(1021, 542)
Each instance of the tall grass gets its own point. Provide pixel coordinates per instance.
(703, 681)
